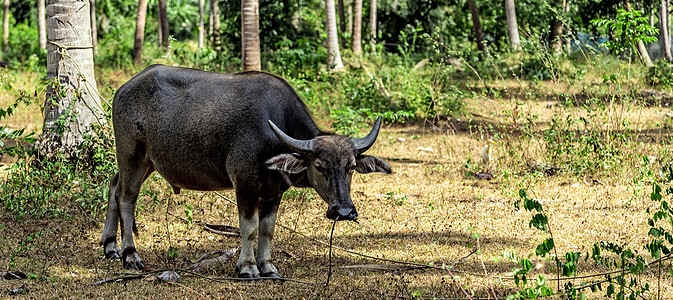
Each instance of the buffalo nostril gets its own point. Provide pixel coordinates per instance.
(344, 212)
(353, 217)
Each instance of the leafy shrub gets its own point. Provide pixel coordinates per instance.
(660, 75)
(299, 59)
(38, 186)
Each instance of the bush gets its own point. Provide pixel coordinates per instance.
(660, 75)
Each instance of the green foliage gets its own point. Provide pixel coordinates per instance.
(660, 75)
(629, 264)
(627, 28)
(38, 186)
(301, 59)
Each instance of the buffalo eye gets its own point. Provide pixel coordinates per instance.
(320, 167)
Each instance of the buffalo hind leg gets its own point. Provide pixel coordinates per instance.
(130, 180)
(109, 238)
(267, 221)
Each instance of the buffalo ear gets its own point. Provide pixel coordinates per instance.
(368, 164)
(287, 163)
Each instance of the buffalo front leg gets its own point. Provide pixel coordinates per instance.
(109, 238)
(248, 223)
(267, 222)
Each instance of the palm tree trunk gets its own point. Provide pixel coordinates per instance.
(250, 35)
(333, 55)
(356, 42)
(201, 26)
(41, 24)
(215, 13)
(74, 97)
(349, 26)
(160, 39)
(512, 27)
(140, 32)
(476, 25)
(94, 30)
(342, 23)
(163, 24)
(664, 29)
(5, 25)
(372, 24)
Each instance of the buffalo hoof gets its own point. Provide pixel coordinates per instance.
(131, 260)
(134, 265)
(272, 275)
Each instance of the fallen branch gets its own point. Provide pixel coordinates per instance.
(215, 231)
(121, 278)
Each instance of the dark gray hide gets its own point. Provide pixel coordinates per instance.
(208, 131)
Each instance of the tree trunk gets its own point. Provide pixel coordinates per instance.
(160, 39)
(216, 24)
(163, 24)
(5, 25)
(140, 32)
(642, 51)
(72, 104)
(342, 23)
(41, 24)
(350, 19)
(664, 30)
(201, 26)
(356, 42)
(94, 30)
(250, 35)
(555, 37)
(372, 25)
(333, 55)
(512, 27)
(476, 25)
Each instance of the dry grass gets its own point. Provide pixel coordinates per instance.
(426, 212)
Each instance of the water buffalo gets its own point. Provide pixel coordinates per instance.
(209, 131)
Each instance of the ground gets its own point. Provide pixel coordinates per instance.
(428, 212)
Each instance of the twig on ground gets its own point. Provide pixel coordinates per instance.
(120, 278)
(329, 272)
(215, 231)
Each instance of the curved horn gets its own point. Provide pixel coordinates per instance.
(299, 146)
(363, 144)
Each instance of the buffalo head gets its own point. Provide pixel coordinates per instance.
(326, 163)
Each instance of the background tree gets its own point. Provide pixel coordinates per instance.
(342, 23)
(372, 24)
(94, 31)
(201, 23)
(214, 21)
(476, 25)
(556, 34)
(5, 25)
(72, 99)
(356, 41)
(140, 32)
(250, 35)
(640, 45)
(163, 24)
(333, 54)
(664, 30)
(41, 24)
(512, 28)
